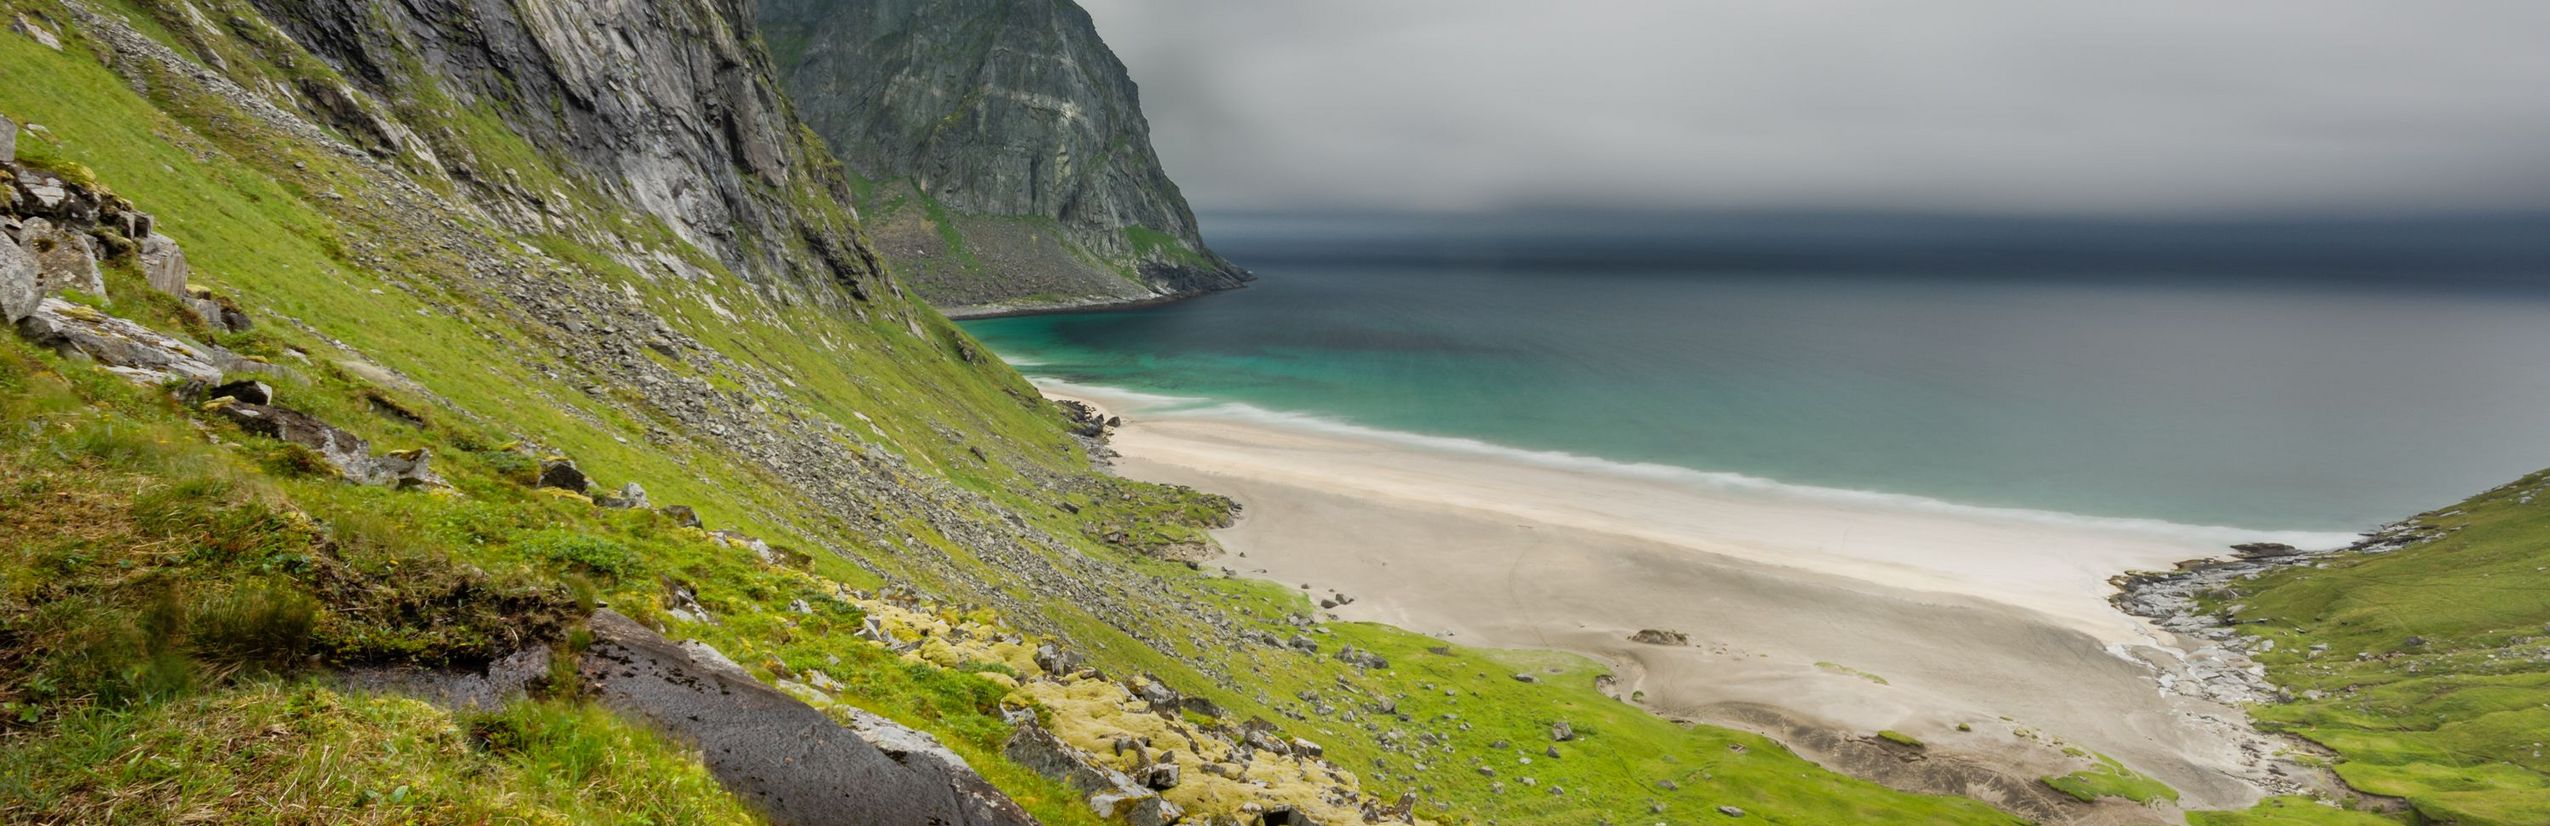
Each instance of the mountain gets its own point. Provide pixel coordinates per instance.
(1003, 159)
(424, 411)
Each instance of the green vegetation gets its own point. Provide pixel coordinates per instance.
(2289, 811)
(2426, 669)
(2109, 778)
(1900, 738)
(1156, 245)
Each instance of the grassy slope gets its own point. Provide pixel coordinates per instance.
(2435, 685)
(211, 551)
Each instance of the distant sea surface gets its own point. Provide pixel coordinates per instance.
(2307, 375)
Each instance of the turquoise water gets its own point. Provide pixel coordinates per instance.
(2288, 403)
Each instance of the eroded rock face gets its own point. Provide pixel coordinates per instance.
(64, 259)
(786, 759)
(119, 345)
(164, 265)
(996, 108)
(19, 289)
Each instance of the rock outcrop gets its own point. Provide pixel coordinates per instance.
(1016, 168)
(789, 761)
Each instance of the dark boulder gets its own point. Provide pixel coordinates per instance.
(249, 392)
(561, 473)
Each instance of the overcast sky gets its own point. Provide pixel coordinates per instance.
(2099, 106)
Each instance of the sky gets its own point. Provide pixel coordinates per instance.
(2099, 107)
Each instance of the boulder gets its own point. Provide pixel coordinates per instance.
(345, 452)
(1562, 732)
(786, 759)
(8, 140)
(164, 265)
(125, 348)
(1112, 794)
(630, 497)
(251, 392)
(42, 36)
(561, 472)
(409, 470)
(19, 290)
(682, 515)
(64, 260)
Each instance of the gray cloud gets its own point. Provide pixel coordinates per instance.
(2140, 106)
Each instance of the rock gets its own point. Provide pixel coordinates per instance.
(1056, 661)
(1653, 636)
(1562, 732)
(630, 497)
(1730, 811)
(42, 36)
(1113, 794)
(789, 761)
(560, 472)
(344, 452)
(164, 265)
(410, 469)
(8, 140)
(1162, 776)
(250, 392)
(1362, 658)
(2264, 550)
(1526, 678)
(20, 288)
(682, 515)
(1303, 644)
(64, 260)
(125, 348)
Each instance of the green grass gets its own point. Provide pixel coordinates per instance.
(2108, 778)
(2290, 811)
(2435, 682)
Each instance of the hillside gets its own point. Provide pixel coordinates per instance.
(1000, 152)
(495, 414)
(2418, 659)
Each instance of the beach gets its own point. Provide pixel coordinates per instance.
(1819, 617)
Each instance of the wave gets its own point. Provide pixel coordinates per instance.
(1716, 481)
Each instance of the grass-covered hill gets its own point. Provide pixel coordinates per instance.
(2423, 660)
(527, 236)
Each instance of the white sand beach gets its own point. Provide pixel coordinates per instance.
(1811, 612)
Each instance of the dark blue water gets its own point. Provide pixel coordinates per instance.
(2305, 376)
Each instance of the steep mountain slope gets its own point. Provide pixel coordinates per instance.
(521, 357)
(1006, 161)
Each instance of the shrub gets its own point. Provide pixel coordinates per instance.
(590, 553)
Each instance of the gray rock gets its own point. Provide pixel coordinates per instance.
(1730, 811)
(20, 288)
(126, 348)
(164, 265)
(1562, 732)
(632, 496)
(345, 452)
(1113, 794)
(1056, 661)
(788, 760)
(682, 515)
(64, 259)
(8, 140)
(42, 36)
(409, 470)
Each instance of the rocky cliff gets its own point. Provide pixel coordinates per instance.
(1006, 160)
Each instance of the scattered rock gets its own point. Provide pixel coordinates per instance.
(2264, 550)
(1562, 732)
(342, 451)
(1653, 636)
(1730, 811)
(42, 36)
(410, 469)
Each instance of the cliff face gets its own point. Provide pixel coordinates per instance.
(1011, 164)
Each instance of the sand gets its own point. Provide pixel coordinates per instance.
(1815, 616)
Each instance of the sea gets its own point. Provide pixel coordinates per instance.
(2313, 374)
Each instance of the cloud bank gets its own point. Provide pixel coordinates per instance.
(2144, 107)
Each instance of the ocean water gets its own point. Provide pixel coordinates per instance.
(2290, 376)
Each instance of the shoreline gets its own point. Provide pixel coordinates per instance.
(1816, 622)
(980, 312)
